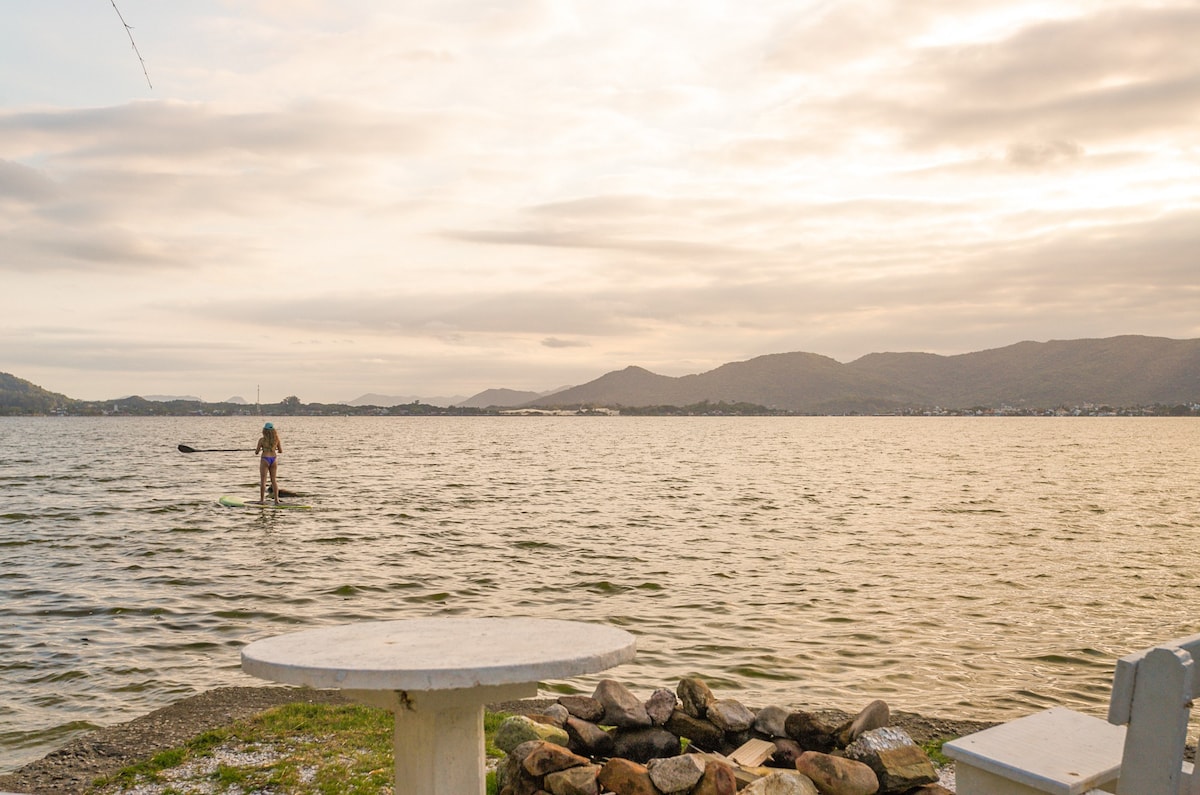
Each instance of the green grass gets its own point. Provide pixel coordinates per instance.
(310, 748)
(934, 750)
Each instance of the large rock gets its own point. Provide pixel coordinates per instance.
(812, 731)
(660, 705)
(718, 779)
(642, 745)
(771, 721)
(550, 758)
(787, 751)
(520, 729)
(574, 781)
(556, 714)
(511, 775)
(676, 775)
(583, 707)
(703, 734)
(729, 715)
(621, 707)
(545, 717)
(588, 738)
(625, 777)
(781, 782)
(834, 775)
(747, 773)
(694, 696)
(875, 715)
(897, 761)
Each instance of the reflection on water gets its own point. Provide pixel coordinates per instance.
(966, 567)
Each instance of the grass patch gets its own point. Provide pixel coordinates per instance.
(491, 722)
(933, 749)
(321, 749)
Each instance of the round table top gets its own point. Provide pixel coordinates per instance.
(437, 653)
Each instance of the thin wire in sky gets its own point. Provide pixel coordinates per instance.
(129, 33)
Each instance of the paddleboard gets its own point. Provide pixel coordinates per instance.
(237, 502)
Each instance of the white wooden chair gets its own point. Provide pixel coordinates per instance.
(1138, 751)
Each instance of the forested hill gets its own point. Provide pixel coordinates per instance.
(1117, 371)
(1120, 372)
(18, 396)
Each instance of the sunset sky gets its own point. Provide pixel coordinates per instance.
(436, 197)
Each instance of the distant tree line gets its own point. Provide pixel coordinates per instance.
(20, 397)
(705, 408)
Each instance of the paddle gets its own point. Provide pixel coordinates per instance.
(183, 448)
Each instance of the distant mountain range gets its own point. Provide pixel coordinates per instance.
(505, 398)
(373, 399)
(236, 399)
(1121, 372)
(489, 398)
(1116, 371)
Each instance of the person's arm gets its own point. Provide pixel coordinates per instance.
(258, 447)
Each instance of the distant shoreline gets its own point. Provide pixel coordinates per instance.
(1128, 374)
(424, 410)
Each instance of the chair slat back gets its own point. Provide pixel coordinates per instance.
(1120, 703)
(1152, 694)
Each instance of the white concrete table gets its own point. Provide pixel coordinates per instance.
(436, 675)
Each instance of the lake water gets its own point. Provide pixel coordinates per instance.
(970, 568)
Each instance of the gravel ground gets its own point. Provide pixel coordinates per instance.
(71, 769)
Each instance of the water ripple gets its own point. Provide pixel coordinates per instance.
(980, 568)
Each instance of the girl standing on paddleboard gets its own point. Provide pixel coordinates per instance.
(270, 447)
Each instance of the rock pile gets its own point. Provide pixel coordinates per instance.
(612, 742)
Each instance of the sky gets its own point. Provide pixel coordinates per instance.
(437, 197)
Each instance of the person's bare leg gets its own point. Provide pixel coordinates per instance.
(275, 481)
(262, 480)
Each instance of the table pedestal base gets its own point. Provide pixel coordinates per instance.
(438, 740)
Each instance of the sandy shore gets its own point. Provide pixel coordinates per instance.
(72, 769)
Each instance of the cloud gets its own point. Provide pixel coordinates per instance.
(1043, 153)
(364, 196)
(1121, 47)
(24, 184)
(1136, 269)
(132, 186)
(46, 249)
(935, 76)
(415, 313)
(554, 342)
(660, 249)
(1093, 79)
(142, 133)
(81, 348)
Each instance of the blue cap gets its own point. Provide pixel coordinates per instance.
(269, 427)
